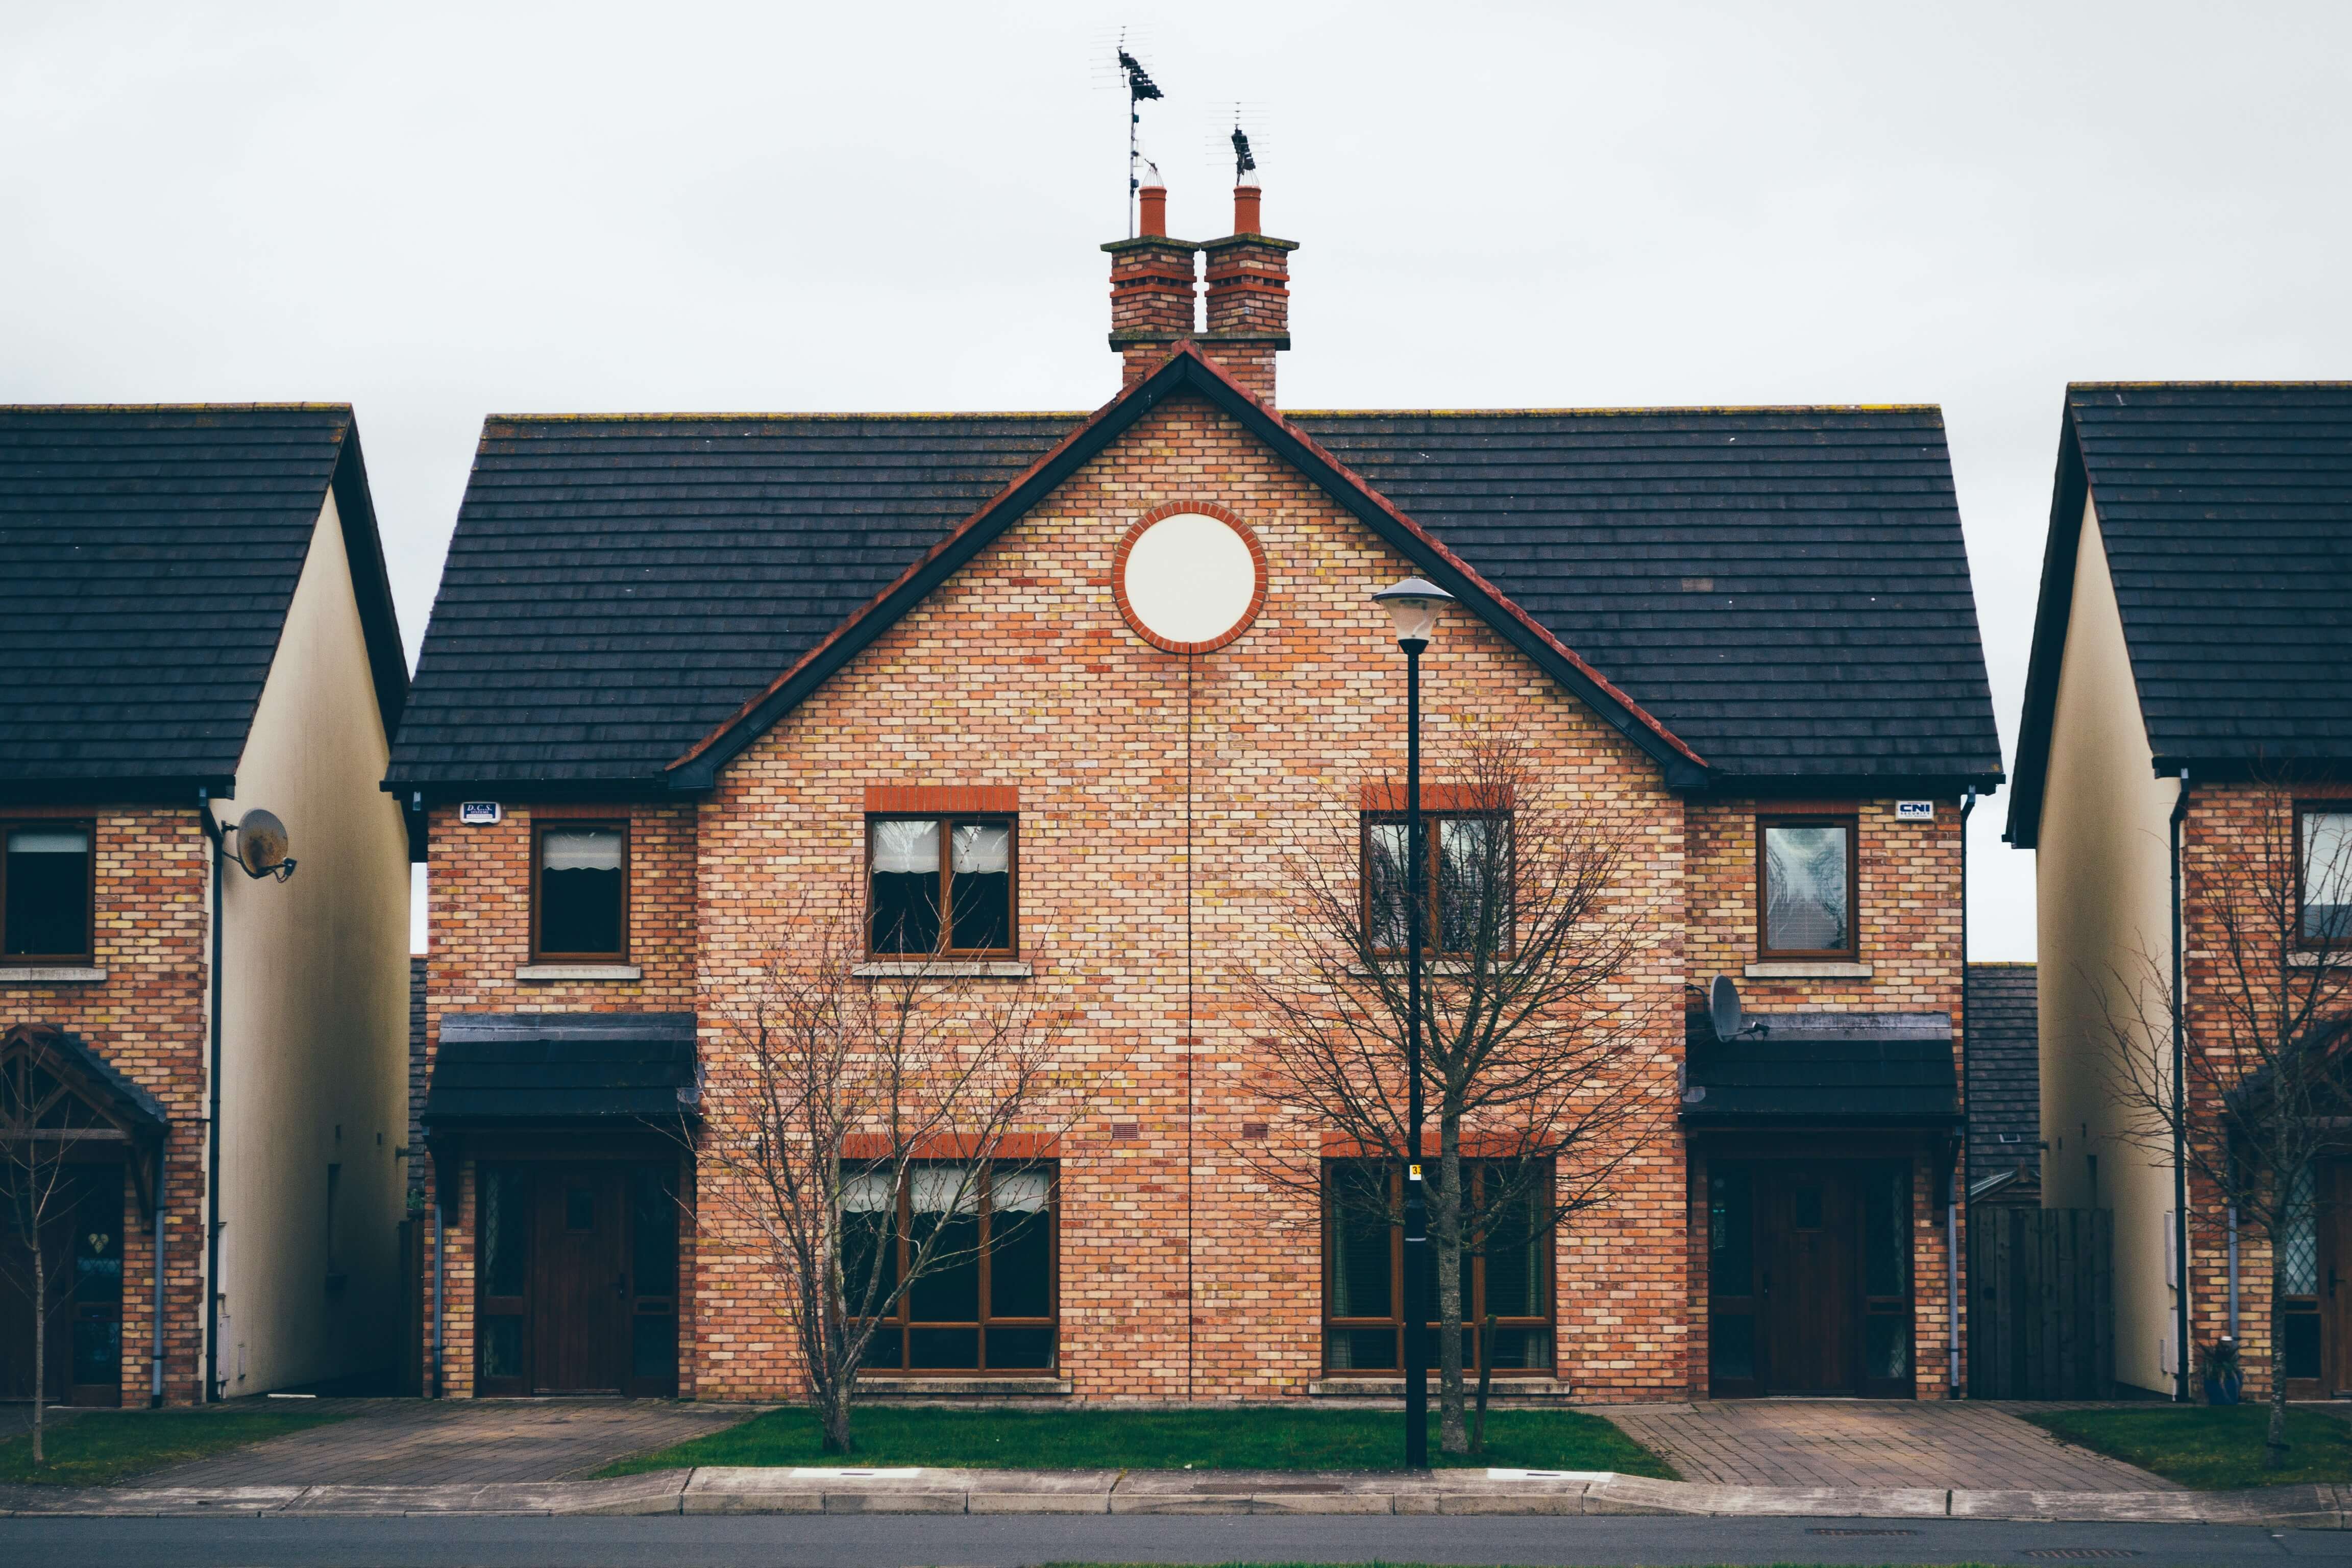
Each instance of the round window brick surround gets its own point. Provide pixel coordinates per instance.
(1189, 577)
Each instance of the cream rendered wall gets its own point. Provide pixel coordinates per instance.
(2104, 881)
(315, 997)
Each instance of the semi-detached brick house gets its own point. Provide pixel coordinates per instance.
(2188, 719)
(200, 625)
(702, 664)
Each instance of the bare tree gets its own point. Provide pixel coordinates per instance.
(38, 1128)
(2257, 1093)
(1531, 1031)
(848, 1090)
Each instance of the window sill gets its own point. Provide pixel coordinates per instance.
(1809, 969)
(1428, 966)
(579, 972)
(1391, 1386)
(1048, 1384)
(39, 974)
(2311, 957)
(943, 969)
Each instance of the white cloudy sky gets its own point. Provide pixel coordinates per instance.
(433, 212)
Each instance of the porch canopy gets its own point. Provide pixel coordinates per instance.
(1878, 1071)
(510, 1069)
(56, 1094)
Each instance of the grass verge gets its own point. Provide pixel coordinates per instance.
(2210, 1447)
(1216, 1439)
(98, 1448)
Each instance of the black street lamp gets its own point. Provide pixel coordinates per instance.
(1413, 604)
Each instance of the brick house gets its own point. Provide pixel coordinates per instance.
(696, 665)
(2185, 704)
(201, 625)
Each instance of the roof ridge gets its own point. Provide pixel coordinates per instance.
(173, 408)
(740, 414)
(1624, 409)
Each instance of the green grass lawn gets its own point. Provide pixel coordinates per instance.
(1219, 1440)
(2211, 1447)
(98, 1448)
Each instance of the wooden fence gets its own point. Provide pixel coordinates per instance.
(2040, 1304)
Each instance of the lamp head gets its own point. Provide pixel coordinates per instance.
(1413, 604)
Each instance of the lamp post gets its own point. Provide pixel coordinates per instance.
(1413, 604)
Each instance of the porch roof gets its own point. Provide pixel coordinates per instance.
(1812, 1069)
(507, 1067)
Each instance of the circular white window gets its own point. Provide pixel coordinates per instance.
(1189, 581)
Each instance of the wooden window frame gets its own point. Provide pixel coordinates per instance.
(949, 821)
(1547, 1288)
(88, 953)
(902, 1322)
(2306, 808)
(1852, 952)
(1433, 929)
(539, 829)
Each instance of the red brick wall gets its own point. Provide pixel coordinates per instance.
(479, 896)
(147, 1020)
(1091, 724)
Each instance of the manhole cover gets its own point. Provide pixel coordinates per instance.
(2081, 1553)
(1819, 1530)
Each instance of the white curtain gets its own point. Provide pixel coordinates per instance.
(48, 841)
(902, 847)
(980, 848)
(933, 1188)
(581, 849)
(1020, 1192)
(867, 1192)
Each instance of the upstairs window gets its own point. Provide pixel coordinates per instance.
(581, 895)
(1807, 879)
(1465, 882)
(44, 892)
(2326, 852)
(940, 885)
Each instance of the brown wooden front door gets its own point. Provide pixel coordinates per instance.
(2332, 1235)
(581, 1294)
(577, 1286)
(1809, 1277)
(1809, 1326)
(81, 1246)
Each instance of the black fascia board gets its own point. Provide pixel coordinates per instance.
(371, 580)
(128, 789)
(1183, 372)
(438, 790)
(2070, 491)
(1814, 786)
(1814, 1121)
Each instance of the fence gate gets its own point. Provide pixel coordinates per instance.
(2040, 1304)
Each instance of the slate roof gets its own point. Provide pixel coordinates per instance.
(1823, 1069)
(1783, 592)
(2226, 511)
(563, 1066)
(150, 554)
(2004, 1068)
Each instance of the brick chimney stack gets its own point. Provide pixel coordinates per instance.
(1249, 297)
(1151, 289)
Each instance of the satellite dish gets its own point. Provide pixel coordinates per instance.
(1723, 1007)
(261, 846)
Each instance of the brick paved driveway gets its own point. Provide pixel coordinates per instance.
(1870, 1443)
(417, 1442)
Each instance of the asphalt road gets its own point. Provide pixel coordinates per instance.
(792, 1541)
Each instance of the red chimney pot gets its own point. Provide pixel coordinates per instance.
(1154, 214)
(1246, 210)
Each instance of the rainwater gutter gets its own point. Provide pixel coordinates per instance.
(1955, 1183)
(2179, 1123)
(155, 1316)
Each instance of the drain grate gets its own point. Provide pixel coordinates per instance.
(2081, 1553)
(1819, 1530)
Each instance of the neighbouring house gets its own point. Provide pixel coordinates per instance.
(201, 627)
(2187, 706)
(2004, 1087)
(683, 670)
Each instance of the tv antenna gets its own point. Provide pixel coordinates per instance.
(1140, 85)
(1244, 161)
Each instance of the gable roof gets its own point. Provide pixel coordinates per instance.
(152, 553)
(619, 588)
(2226, 512)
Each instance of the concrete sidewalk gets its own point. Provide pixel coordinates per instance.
(919, 1490)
